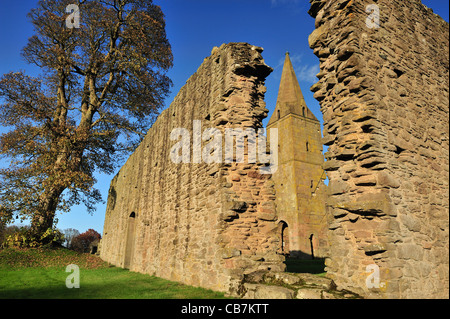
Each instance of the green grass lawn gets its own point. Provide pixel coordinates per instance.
(40, 273)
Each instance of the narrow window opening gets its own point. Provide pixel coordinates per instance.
(312, 246)
(284, 238)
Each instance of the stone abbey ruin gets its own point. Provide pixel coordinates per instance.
(384, 95)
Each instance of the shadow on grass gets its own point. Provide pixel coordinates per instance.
(103, 291)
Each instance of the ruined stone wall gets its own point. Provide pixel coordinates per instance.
(198, 223)
(384, 97)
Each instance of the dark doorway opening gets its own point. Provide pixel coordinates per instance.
(130, 240)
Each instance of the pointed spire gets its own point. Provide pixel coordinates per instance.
(290, 98)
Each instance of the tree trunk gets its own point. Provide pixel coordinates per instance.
(44, 216)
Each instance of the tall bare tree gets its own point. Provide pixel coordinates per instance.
(69, 235)
(103, 84)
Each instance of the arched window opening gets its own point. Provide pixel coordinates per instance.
(284, 238)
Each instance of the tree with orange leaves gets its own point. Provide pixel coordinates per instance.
(104, 80)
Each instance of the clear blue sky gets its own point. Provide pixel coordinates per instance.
(194, 27)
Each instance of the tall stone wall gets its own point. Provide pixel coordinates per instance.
(383, 90)
(203, 224)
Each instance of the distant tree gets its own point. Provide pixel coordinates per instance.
(81, 242)
(102, 85)
(69, 235)
(10, 230)
(6, 231)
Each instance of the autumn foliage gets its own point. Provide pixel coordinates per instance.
(20, 258)
(101, 87)
(81, 242)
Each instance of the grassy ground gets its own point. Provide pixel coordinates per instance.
(40, 273)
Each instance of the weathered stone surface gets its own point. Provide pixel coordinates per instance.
(386, 126)
(282, 285)
(309, 293)
(282, 278)
(314, 280)
(256, 291)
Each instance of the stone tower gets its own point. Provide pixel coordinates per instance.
(300, 190)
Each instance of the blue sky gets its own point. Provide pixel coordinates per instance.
(193, 28)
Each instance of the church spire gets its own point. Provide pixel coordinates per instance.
(290, 98)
